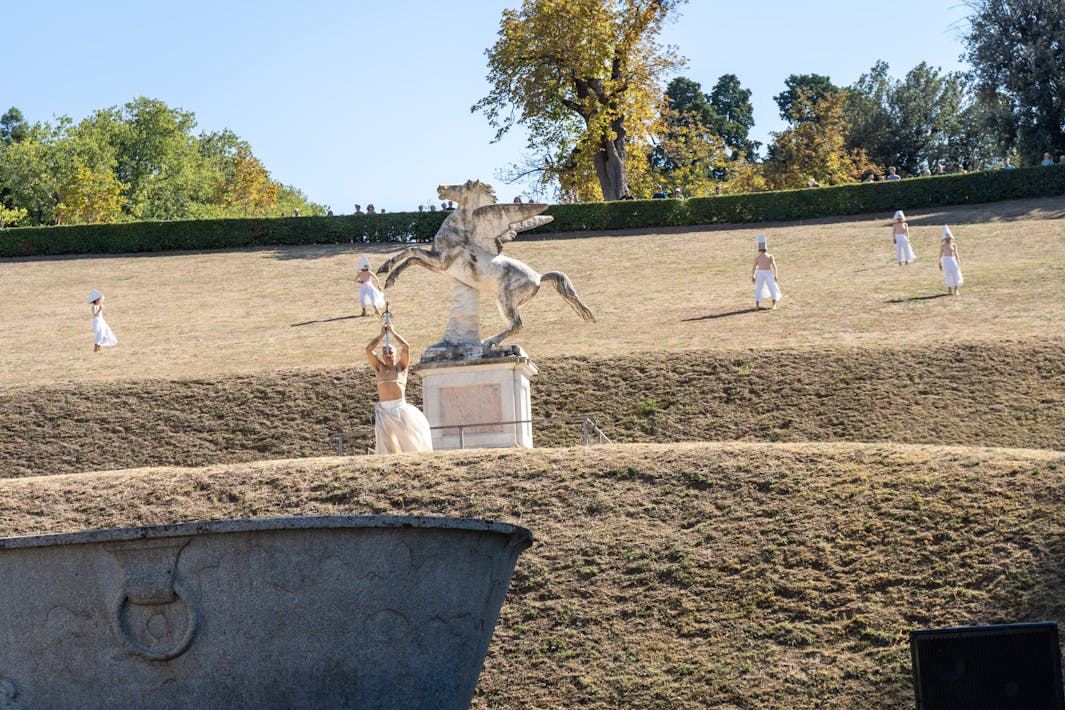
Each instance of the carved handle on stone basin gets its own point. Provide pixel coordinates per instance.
(153, 616)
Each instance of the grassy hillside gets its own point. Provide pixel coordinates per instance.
(199, 316)
(675, 576)
(1005, 394)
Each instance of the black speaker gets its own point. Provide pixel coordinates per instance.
(1002, 667)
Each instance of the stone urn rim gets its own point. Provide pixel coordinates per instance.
(521, 536)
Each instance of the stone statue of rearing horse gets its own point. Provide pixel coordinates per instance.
(468, 248)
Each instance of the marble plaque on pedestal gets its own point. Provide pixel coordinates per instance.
(479, 402)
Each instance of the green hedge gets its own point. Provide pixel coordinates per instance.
(790, 205)
(784, 206)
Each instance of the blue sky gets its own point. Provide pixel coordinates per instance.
(358, 102)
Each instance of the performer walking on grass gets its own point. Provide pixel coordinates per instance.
(950, 261)
(398, 427)
(370, 291)
(101, 332)
(900, 233)
(764, 275)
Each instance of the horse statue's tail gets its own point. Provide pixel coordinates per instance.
(565, 289)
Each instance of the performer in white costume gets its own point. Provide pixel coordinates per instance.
(900, 233)
(398, 427)
(370, 292)
(950, 261)
(764, 275)
(101, 331)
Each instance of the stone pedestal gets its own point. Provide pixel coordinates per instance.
(469, 398)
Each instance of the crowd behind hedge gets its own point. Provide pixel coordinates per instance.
(782, 206)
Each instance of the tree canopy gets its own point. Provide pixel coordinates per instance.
(1017, 51)
(141, 161)
(582, 77)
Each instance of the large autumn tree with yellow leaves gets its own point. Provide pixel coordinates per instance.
(583, 77)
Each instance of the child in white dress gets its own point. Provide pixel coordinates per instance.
(950, 262)
(101, 331)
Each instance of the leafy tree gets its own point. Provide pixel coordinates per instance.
(814, 86)
(925, 118)
(814, 150)
(90, 197)
(249, 188)
(582, 77)
(1017, 51)
(11, 217)
(686, 98)
(689, 156)
(13, 127)
(29, 176)
(733, 116)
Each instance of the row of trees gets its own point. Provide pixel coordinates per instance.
(138, 162)
(583, 77)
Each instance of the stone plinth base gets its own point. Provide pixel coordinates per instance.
(465, 400)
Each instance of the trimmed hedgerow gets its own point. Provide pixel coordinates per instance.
(783, 206)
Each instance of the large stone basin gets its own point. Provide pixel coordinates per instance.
(296, 612)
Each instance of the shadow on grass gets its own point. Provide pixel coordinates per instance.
(917, 298)
(714, 316)
(327, 320)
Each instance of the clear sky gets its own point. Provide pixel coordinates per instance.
(359, 102)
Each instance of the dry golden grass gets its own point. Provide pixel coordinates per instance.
(193, 315)
(665, 575)
(675, 576)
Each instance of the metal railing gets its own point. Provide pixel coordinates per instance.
(589, 430)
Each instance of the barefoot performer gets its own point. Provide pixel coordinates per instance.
(764, 276)
(370, 291)
(950, 262)
(398, 427)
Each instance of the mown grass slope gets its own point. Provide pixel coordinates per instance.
(980, 394)
(735, 575)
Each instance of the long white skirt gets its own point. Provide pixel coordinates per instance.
(903, 250)
(400, 427)
(370, 297)
(101, 332)
(952, 271)
(765, 286)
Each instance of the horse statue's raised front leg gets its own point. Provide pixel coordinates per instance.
(428, 258)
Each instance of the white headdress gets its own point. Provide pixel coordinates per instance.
(762, 242)
(95, 295)
(899, 215)
(946, 233)
(364, 263)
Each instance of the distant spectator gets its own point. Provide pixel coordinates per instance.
(1061, 159)
(1047, 160)
(443, 206)
(284, 214)
(812, 182)
(627, 196)
(369, 208)
(1007, 165)
(892, 174)
(961, 168)
(450, 205)
(940, 169)
(717, 189)
(660, 194)
(677, 194)
(517, 200)
(432, 208)
(296, 212)
(925, 172)
(329, 213)
(358, 209)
